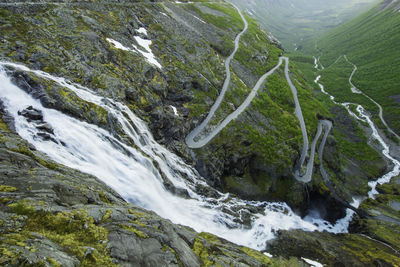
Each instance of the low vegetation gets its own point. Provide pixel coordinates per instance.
(370, 41)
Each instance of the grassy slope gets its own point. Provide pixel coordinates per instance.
(351, 142)
(372, 42)
(296, 21)
(269, 133)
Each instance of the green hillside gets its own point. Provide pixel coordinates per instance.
(371, 41)
(295, 23)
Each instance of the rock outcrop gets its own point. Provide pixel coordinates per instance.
(51, 215)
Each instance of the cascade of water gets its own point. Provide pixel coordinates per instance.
(131, 171)
(385, 151)
(364, 117)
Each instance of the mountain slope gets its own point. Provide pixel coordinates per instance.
(91, 77)
(371, 42)
(190, 41)
(294, 22)
(51, 215)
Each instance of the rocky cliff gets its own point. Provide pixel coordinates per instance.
(51, 215)
(99, 45)
(165, 61)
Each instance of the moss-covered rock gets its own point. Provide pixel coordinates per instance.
(61, 217)
(253, 157)
(334, 250)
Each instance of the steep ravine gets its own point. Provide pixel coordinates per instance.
(355, 90)
(52, 215)
(364, 117)
(100, 46)
(94, 74)
(203, 140)
(116, 162)
(374, 231)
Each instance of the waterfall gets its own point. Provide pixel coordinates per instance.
(131, 170)
(365, 117)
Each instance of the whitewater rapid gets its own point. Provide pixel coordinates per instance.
(363, 116)
(131, 171)
(355, 90)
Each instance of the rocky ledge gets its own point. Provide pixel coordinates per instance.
(51, 215)
(372, 241)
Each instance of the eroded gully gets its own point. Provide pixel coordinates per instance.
(363, 116)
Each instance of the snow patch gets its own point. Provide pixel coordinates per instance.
(118, 45)
(312, 263)
(162, 13)
(142, 30)
(175, 110)
(268, 255)
(148, 54)
(145, 44)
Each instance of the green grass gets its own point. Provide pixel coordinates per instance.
(229, 18)
(336, 82)
(296, 22)
(255, 42)
(371, 41)
(351, 142)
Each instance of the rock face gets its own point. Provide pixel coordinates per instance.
(32, 114)
(373, 239)
(51, 215)
(338, 250)
(252, 158)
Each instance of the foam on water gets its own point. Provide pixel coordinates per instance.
(133, 174)
(312, 263)
(365, 117)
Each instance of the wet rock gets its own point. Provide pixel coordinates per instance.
(332, 250)
(136, 237)
(45, 127)
(181, 192)
(31, 114)
(29, 85)
(46, 137)
(132, 94)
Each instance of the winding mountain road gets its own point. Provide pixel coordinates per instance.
(194, 140)
(196, 131)
(307, 176)
(355, 90)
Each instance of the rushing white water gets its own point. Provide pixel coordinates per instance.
(317, 64)
(133, 174)
(385, 151)
(355, 90)
(365, 117)
(312, 263)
